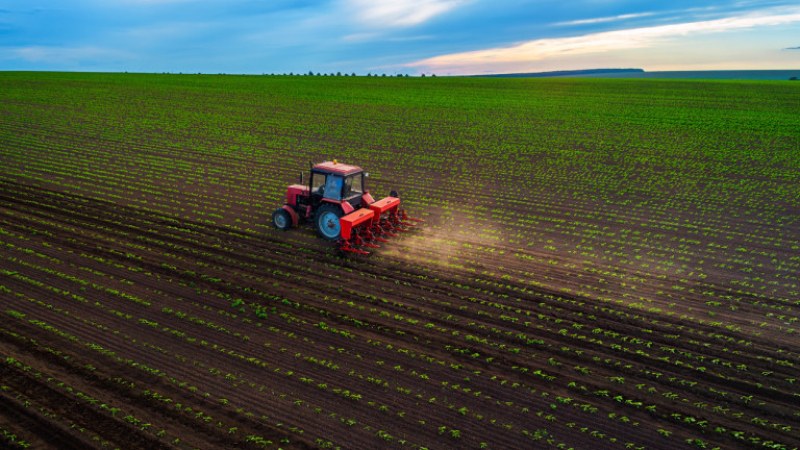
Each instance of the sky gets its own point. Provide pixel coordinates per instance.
(442, 37)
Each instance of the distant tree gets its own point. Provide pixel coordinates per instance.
(338, 74)
(353, 74)
(423, 75)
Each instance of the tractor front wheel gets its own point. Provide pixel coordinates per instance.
(327, 221)
(281, 219)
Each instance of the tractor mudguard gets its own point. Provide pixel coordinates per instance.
(347, 208)
(293, 214)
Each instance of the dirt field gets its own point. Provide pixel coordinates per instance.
(136, 320)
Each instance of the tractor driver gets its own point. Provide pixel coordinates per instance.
(333, 187)
(348, 187)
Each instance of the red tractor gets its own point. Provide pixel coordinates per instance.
(340, 207)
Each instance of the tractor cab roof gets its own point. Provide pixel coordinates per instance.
(337, 168)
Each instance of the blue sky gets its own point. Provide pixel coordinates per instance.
(396, 36)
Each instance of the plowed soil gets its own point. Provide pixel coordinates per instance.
(128, 324)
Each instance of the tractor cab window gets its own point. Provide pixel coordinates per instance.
(353, 186)
(317, 182)
(333, 187)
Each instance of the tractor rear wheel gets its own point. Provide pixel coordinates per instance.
(281, 219)
(327, 221)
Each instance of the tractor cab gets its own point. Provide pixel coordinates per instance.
(336, 182)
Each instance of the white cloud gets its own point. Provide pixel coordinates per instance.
(603, 19)
(360, 37)
(520, 56)
(399, 13)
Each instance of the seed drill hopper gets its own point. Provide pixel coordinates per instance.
(337, 202)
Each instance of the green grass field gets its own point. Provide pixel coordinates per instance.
(716, 143)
